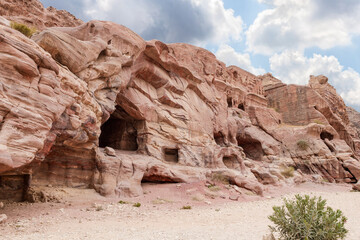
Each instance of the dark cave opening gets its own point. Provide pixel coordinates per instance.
(325, 135)
(156, 179)
(119, 131)
(14, 187)
(241, 106)
(219, 139)
(229, 102)
(252, 148)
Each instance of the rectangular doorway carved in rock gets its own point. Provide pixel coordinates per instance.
(14, 187)
(171, 155)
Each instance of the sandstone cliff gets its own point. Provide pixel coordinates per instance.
(354, 118)
(33, 13)
(172, 112)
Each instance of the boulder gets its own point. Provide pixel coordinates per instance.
(3, 218)
(110, 151)
(354, 167)
(356, 186)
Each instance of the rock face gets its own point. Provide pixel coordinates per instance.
(97, 106)
(317, 134)
(354, 118)
(33, 13)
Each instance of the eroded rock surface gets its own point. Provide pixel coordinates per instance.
(33, 13)
(96, 106)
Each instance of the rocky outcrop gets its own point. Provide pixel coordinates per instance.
(97, 106)
(354, 118)
(344, 127)
(33, 13)
(317, 135)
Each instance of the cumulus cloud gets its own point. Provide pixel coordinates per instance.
(228, 55)
(294, 67)
(193, 21)
(294, 24)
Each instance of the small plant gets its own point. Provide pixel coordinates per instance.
(123, 202)
(161, 201)
(24, 29)
(187, 207)
(99, 208)
(308, 218)
(214, 188)
(137, 204)
(317, 121)
(303, 144)
(324, 180)
(276, 109)
(218, 177)
(288, 172)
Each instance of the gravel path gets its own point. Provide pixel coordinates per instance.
(111, 220)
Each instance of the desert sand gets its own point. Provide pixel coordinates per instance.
(83, 214)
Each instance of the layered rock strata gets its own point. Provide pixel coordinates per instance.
(96, 106)
(33, 13)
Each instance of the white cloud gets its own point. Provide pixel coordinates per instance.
(293, 67)
(228, 55)
(193, 21)
(298, 24)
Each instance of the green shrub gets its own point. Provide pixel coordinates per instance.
(137, 204)
(218, 177)
(308, 218)
(99, 208)
(27, 31)
(317, 121)
(302, 144)
(186, 207)
(288, 172)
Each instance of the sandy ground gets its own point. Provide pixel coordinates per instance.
(83, 214)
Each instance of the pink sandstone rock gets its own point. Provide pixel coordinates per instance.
(33, 13)
(171, 113)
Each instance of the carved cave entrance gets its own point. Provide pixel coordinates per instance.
(229, 102)
(153, 178)
(14, 187)
(252, 148)
(120, 131)
(171, 155)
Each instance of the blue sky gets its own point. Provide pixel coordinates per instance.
(292, 39)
